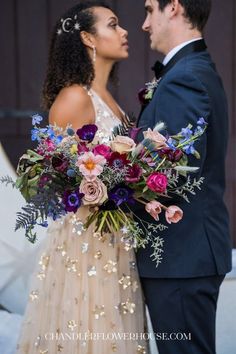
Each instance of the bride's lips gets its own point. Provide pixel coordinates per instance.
(125, 44)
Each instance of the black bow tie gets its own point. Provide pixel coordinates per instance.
(196, 46)
(158, 69)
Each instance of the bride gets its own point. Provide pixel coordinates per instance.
(86, 296)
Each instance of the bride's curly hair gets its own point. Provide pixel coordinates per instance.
(69, 62)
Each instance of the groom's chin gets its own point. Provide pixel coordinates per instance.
(152, 44)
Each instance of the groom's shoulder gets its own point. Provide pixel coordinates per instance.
(197, 70)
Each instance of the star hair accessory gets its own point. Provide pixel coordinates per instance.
(69, 25)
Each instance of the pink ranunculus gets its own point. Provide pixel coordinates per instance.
(134, 173)
(173, 214)
(156, 137)
(95, 192)
(157, 182)
(122, 144)
(154, 208)
(90, 165)
(103, 150)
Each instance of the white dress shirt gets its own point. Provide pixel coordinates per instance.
(176, 49)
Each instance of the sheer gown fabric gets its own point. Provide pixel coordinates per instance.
(86, 296)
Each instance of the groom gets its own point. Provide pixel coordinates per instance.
(182, 292)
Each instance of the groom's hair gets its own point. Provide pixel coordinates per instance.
(196, 11)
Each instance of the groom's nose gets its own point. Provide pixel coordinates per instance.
(146, 25)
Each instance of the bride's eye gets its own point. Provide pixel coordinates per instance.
(113, 25)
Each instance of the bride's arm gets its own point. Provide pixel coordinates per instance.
(72, 106)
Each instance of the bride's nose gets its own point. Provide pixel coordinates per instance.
(124, 32)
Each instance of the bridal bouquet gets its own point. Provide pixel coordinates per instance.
(70, 169)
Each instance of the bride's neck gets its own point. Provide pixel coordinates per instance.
(102, 72)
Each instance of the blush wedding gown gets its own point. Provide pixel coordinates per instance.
(86, 296)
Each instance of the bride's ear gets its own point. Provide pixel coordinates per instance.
(87, 39)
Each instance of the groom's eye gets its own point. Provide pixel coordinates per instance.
(148, 9)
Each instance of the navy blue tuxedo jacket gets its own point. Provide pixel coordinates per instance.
(199, 245)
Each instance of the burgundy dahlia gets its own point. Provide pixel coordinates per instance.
(134, 173)
(172, 155)
(82, 147)
(60, 163)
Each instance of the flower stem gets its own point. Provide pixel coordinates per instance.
(160, 164)
(102, 221)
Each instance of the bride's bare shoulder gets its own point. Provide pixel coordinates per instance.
(72, 106)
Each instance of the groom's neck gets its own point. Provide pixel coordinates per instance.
(178, 36)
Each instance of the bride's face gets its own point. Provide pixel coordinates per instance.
(110, 40)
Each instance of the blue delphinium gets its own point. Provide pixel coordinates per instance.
(36, 119)
(201, 121)
(36, 132)
(171, 143)
(187, 133)
(198, 130)
(189, 149)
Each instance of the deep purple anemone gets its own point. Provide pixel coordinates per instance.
(121, 194)
(72, 200)
(87, 132)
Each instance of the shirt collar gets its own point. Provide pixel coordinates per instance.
(175, 50)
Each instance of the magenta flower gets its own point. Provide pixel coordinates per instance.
(103, 150)
(50, 146)
(157, 182)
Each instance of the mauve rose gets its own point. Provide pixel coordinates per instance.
(157, 182)
(156, 137)
(95, 192)
(154, 208)
(173, 214)
(102, 150)
(133, 174)
(122, 144)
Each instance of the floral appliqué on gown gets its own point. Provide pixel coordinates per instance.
(86, 296)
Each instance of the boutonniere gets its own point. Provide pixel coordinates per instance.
(146, 94)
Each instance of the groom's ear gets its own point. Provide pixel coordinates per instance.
(87, 39)
(175, 8)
